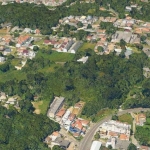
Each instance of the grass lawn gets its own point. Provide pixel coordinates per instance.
(10, 75)
(148, 120)
(16, 62)
(86, 46)
(52, 68)
(57, 57)
(126, 118)
(41, 106)
(44, 107)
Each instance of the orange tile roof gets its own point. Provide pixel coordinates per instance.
(61, 112)
(56, 133)
(78, 124)
(112, 133)
(37, 31)
(123, 137)
(144, 148)
(22, 38)
(85, 122)
(71, 117)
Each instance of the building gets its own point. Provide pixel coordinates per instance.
(24, 40)
(111, 142)
(83, 59)
(126, 36)
(7, 51)
(116, 129)
(2, 59)
(140, 119)
(96, 145)
(61, 142)
(121, 144)
(55, 106)
(75, 47)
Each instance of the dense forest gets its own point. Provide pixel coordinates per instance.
(24, 130)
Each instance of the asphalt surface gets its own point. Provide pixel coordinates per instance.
(85, 144)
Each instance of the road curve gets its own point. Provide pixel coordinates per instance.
(85, 144)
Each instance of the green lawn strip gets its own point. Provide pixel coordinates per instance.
(86, 46)
(126, 118)
(57, 57)
(11, 75)
(16, 62)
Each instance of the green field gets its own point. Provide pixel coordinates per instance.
(57, 57)
(126, 118)
(11, 75)
(44, 106)
(41, 106)
(86, 46)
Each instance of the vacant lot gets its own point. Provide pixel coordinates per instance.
(87, 46)
(126, 118)
(57, 57)
(41, 106)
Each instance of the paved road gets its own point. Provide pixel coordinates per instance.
(85, 144)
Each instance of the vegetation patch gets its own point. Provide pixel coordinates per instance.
(126, 118)
(86, 46)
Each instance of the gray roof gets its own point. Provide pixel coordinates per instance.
(7, 50)
(56, 104)
(76, 45)
(62, 142)
(120, 144)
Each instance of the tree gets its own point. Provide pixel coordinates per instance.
(56, 147)
(80, 24)
(96, 136)
(114, 117)
(109, 147)
(122, 44)
(132, 147)
(35, 48)
(89, 26)
(143, 38)
(100, 49)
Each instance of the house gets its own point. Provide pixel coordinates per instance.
(128, 8)
(72, 117)
(124, 137)
(122, 144)
(55, 106)
(76, 126)
(2, 59)
(11, 101)
(83, 59)
(7, 51)
(61, 142)
(31, 54)
(140, 119)
(65, 117)
(144, 148)
(96, 145)
(85, 123)
(111, 142)
(146, 51)
(48, 140)
(60, 114)
(116, 129)
(54, 135)
(24, 40)
(146, 72)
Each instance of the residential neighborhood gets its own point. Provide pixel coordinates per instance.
(81, 78)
